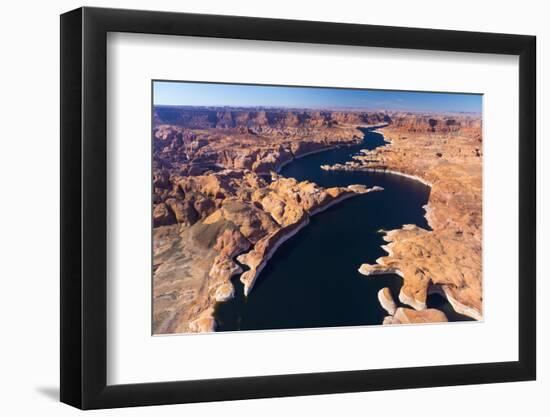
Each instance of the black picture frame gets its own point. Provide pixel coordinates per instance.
(84, 207)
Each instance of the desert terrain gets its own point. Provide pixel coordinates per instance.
(220, 208)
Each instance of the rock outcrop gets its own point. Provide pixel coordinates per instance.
(386, 301)
(410, 316)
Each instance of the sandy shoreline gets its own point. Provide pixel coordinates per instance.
(249, 286)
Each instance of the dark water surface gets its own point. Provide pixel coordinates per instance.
(312, 279)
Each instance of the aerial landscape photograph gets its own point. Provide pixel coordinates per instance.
(295, 207)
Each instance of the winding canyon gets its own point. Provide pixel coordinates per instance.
(253, 210)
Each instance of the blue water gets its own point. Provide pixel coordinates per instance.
(312, 279)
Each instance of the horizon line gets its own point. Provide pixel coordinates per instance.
(260, 106)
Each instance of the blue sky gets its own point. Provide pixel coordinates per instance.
(208, 94)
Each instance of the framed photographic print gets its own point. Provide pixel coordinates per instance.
(256, 208)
